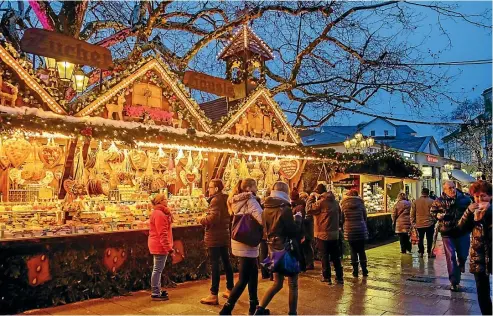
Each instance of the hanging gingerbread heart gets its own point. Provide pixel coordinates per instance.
(289, 167)
(50, 155)
(191, 177)
(17, 150)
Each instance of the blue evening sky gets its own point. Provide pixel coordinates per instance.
(468, 43)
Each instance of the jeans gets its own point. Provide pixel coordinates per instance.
(157, 270)
(357, 251)
(329, 251)
(428, 231)
(405, 242)
(453, 245)
(264, 253)
(248, 275)
(215, 254)
(277, 286)
(483, 289)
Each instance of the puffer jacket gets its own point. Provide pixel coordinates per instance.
(480, 250)
(217, 222)
(354, 218)
(327, 215)
(279, 224)
(401, 215)
(420, 212)
(160, 240)
(452, 209)
(244, 203)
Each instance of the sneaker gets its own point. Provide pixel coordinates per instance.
(210, 300)
(365, 273)
(454, 288)
(431, 255)
(324, 280)
(161, 297)
(226, 293)
(462, 269)
(329, 282)
(340, 281)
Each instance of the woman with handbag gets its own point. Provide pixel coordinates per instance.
(160, 243)
(245, 237)
(401, 217)
(282, 232)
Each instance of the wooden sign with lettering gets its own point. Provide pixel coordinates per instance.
(65, 48)
(289, 167)
(214, 85)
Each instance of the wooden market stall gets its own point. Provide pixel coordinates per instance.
(77, 173)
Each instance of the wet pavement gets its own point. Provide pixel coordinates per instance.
(397, 284)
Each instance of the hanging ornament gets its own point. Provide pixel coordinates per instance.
(179, 157)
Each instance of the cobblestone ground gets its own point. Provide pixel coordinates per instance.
(397, 284)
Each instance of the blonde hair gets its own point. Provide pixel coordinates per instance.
(281, 186)
(240, 187)
(402, 196)
(158, 199)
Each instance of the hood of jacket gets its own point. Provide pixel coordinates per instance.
(352, 201)
(273, 202)
(163, 209)
(240, 200)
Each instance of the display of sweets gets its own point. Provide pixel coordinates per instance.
(373, 197)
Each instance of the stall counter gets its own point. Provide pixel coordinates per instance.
(65, 269)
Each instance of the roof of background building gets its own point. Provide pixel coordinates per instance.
(218, 108)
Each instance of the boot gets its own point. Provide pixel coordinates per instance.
(253, 307)
(261, 311)
(210, 300)
(227, 309)
(364, 269)
(355, 269)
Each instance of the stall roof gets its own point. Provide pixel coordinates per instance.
(462, 177)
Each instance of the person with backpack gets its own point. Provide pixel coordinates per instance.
(217, 240)
(244, 203)
(282, 232)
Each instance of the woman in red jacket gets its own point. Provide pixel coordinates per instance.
(160, 243)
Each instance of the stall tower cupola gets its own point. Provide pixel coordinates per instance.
(245, 56)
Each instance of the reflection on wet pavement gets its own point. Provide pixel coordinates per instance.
(397, 284)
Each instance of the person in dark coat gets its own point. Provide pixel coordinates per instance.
(280, 228)
(477, 218)
(328, 220)
(401, 217)
(423, 221)
(448, 210)
(298, 206)
(217, 239)
(354, 219)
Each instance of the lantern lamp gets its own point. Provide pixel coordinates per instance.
(370, 141)
(79, 81)
(347, 144)
(363, 144)
(353, 142)
(65, 70)
(358, 136)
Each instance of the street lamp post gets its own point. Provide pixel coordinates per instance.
(358, 143)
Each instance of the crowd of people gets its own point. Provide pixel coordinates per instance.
(276, 234)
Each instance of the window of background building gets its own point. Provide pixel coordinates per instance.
(386, 132)
(372, 133)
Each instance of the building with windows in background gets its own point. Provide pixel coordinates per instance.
(423, 151)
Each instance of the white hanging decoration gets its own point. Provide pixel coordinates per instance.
(179, 156)
(78, 175)
(160, 152)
